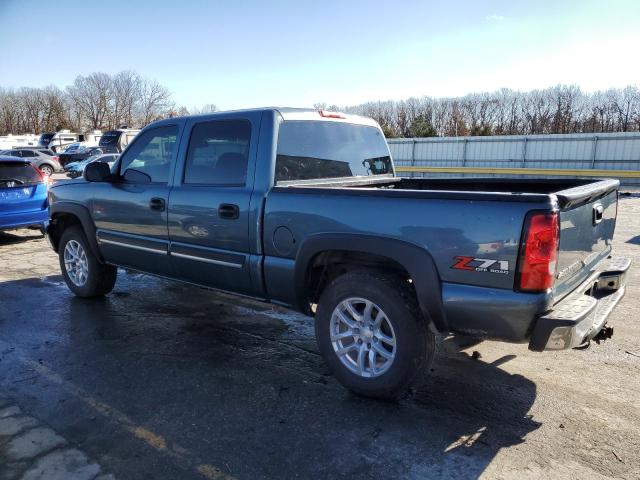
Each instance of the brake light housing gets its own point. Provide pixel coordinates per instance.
(326, 114)
(539, 252)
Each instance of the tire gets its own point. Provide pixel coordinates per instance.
(99, 279)
(412, 351)
(46, 169)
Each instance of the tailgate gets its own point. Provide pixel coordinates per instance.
(23, 198)
(587, 222)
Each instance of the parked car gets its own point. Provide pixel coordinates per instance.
(77, 152)
(302, 208)
(23, 195)
(44, 159)
(115, 141)
(76, 169)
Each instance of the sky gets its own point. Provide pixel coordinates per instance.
(240, 54)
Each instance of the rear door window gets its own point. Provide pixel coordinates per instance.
(218, 153)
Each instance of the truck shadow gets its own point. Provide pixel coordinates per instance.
(23, 235)
(241, 386)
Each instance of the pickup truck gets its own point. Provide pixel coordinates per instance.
(302, 208)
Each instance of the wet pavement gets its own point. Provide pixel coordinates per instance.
(163, 380)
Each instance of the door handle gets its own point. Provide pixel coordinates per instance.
(157, 204)
(228, 210)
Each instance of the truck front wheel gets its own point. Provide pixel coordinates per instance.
(83, 273)
(371, 333)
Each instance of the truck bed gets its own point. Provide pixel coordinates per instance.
(479, 216)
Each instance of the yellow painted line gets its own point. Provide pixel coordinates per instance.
(212, 473)
(525, 171)
(155, 441)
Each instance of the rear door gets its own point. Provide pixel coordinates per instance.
(586, 233)
(130, 214)
(210, 202)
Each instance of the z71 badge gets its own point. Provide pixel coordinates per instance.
(481, 265)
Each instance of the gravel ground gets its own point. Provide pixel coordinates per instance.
(166, 381)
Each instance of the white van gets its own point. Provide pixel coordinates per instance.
(10, 141)
(62, 139)
(115, 141)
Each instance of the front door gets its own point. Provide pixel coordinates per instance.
(131, 213)
(209, 204)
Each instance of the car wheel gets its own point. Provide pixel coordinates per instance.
(372, 335)
(83, 273)
(46, 170)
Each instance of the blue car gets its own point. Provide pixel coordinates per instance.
(23, 195)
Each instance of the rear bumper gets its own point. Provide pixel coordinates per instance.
(579, 317)
(38, 218)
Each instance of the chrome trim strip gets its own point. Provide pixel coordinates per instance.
(206, 260)
(135, 247)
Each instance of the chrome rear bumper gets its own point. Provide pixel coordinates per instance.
(581, 315)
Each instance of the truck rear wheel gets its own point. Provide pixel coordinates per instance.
(83, 273)
(371, 334)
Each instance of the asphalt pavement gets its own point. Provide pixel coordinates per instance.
(168, 381)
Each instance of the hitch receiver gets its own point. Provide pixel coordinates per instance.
(604, 334)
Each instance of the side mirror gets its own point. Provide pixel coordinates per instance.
(97, 172)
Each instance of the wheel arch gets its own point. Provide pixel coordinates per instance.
(66, 214)
(383, 252)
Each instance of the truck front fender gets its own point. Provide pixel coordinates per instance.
(414, 259)
(80, 212)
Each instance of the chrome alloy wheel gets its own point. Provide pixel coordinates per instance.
(362, 336)
(75, 263)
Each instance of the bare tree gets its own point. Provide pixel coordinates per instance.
(155, 101)
(91, 96)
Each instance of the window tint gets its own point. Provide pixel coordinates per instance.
(309, 150)
(218, 153)
(151, 154)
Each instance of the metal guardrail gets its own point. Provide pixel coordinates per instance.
(614, 155)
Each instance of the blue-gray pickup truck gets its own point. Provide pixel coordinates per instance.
(303, 208)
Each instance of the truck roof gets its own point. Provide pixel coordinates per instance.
(289, 113)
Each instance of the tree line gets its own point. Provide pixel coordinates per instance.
(95, 101)
(103, 101)
(560, 109)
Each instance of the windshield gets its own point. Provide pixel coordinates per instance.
(18, 174)
(319, 149)
(72, 148)
(109, 138)
(45, 138)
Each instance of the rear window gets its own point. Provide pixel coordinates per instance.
(313, 150)
(17, 174)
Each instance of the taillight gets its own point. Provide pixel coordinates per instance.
(539, 252)
(38, 171)
(325, 114)
(43, 178)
